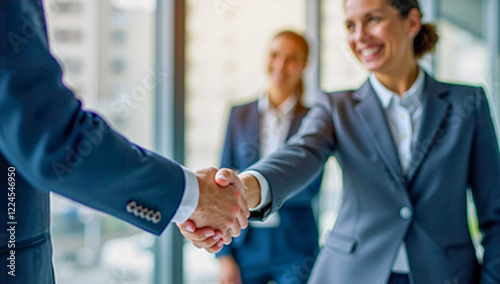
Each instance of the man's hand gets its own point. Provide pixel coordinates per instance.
(204, 238)
(221, 205)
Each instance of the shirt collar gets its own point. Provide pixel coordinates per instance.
(414, 94)
(286, 108)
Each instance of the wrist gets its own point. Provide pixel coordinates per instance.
(252, 190)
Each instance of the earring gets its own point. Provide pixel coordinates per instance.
(412, 35)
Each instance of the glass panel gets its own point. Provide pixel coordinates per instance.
(463, 57)
(106, 48)
(462, 53)
(225, 53)
(340, 70)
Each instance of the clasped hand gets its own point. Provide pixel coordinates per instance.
(221, 213)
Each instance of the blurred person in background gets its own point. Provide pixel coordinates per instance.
(278, 248)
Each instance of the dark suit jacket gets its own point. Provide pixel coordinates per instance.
(56, 146)
(456, 149)
(242, 149)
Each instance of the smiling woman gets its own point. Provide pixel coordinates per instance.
(386, 36)
(408, 153)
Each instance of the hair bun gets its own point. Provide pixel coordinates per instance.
(426, 40)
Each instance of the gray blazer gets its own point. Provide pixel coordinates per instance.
(456, 149)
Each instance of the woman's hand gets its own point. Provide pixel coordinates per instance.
(229, 272)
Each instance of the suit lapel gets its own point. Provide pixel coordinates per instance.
(376, 125)
(299, 114)
(253, 130)
(250, 129)
(435, 110)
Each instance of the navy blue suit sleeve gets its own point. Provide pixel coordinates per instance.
(59, 147)
(484, 180)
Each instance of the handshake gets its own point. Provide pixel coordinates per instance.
(223, 208)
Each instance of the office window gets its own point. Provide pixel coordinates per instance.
(464, 55)
(91, 247)
(465, 51)
(226, 44)
(68, 36)
(118, 65)
(72, 8)
(339, 70)
(118, 37)
(72, 65)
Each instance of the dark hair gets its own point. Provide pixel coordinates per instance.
(427, 37)
(301, 40)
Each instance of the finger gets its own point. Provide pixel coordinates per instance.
(218, 235)
(207, 241)
(235, 229)
(187, 226)
(189, 231)
(230, 177)
(224, 177)
(227, 239)
(242, 219)
(207, 244)
(216, 247)
(244, 210)
(213, 244)
(235, 181)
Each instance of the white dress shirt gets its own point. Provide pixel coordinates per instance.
(404, 117)
(190, 197)
(274, 123)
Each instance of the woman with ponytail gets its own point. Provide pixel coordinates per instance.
(409, 147)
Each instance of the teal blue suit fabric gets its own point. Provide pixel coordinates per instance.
(55, 145)
(265, 253)
(456, 149)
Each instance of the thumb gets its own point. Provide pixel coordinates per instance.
(188, 226)
(225, 177)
